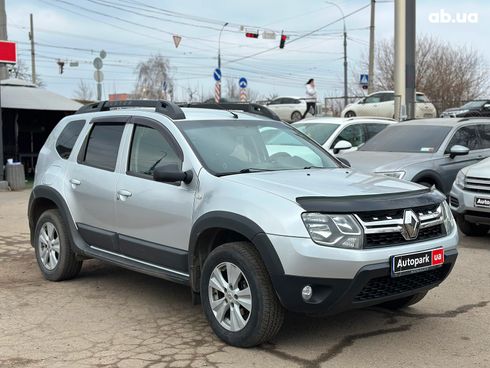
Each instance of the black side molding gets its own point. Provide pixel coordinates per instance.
(369, 203)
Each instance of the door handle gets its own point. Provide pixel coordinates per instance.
(75, 183)
(123, 194)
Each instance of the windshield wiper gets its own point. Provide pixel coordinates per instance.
(245, 171)
(313, 167)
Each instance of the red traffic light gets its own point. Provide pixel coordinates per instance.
(283, 41)
(252, 35)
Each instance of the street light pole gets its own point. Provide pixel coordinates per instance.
(219, 52)
(345, 51)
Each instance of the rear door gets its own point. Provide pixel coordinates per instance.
(386, 108)
(153, 218)
(91, 182)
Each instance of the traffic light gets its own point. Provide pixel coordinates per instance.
(252, 34)
(283, 41)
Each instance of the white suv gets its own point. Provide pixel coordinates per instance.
(196, 196)
(382, 104)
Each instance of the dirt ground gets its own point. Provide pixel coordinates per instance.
(112, 317)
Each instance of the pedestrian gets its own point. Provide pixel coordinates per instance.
(310, 97)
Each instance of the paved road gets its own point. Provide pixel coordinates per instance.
(111, 317)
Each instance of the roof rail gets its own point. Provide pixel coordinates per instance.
(471, 117)
(167, 108)
(252, 108)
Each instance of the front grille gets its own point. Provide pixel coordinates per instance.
(395, 238)
(477, 185)
(382, 287)
(478, 214)
(386, 228)
(454, 201)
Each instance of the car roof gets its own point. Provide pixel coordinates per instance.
(295, 97)
(419, 93)
(449, 122)
(344, 121)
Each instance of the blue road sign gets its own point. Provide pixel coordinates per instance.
(243, 82)
(164, 86)
(217, 74)
(364, 79)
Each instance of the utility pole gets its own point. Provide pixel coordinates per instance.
(33, 53)
(345, 65)
(219, 54)
(411, 41)
(371, 48)
(400, 59)
(3, 75)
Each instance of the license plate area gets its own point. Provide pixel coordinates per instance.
(405, 264)
(482, 202)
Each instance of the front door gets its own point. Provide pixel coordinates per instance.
(153, 218)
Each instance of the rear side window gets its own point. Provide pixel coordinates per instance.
(354, 134)
(103, 146)
(68, 137)
(484, 130)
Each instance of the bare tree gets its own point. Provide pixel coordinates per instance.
(232, 90)
(84, 92)
(151, 76)
(447, 74)
(21, 70)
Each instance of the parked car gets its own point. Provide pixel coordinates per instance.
(338, 135)
(472, 108)
(196, 197)
(470, 199)
(382, 104)
(429, 152)
(289, 109)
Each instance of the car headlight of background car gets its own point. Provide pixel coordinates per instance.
(393, 174)
(341, 231)
(460, 178)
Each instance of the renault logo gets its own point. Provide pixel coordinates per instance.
(411, 225)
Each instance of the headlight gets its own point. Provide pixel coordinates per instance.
(459, 112)
(459, 182)
(341, 231)
(393, 174)
(449, 222)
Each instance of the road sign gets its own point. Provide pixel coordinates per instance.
(164, 86)
(217, 74)
(364, 79)
(177, 40)
(217, 92)
(98, 76)
(243, 82)
(364, 86)
(102, 54)
(243, 95)
(8, 52)
(98, 64)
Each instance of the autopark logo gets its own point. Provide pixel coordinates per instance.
(445, 17)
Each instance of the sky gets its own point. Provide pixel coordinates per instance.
(130, 31)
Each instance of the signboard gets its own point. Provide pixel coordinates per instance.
(177, 40)
(98, 76)
(164, 86)
(243, 82)
(98, 63)
(8, 52)
(364, 80)
(217, 74)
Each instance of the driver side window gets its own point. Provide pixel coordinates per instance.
(149, 150)
(466, 136)
(373, 99)
(354, 134)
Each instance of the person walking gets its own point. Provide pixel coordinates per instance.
(310, 97)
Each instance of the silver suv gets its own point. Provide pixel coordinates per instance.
(196, 196)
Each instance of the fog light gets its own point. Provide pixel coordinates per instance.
(307, 293)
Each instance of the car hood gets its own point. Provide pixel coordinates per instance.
(479, 170)
(371, 161)
(291, 184)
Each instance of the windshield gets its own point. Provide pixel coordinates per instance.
(408, 138)
(319, 132)
(232, 147)
(473, 104)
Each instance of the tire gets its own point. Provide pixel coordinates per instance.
(296, 116)
(471, 229)
(265, 317)
(54, 255)
(349, 114)
(404, 302)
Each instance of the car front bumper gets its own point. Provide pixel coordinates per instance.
(462, 203)
(344, 279)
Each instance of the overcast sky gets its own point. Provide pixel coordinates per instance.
(131, 31)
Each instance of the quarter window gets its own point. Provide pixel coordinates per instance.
(103, 146)
(68, 138)
(465, 136)
(353, 134)
(149, 150)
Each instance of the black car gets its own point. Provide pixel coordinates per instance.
(472, 108)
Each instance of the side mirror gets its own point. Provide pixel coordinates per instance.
(171, 174)
(458, 150)
(344, 161)
(341, 146)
